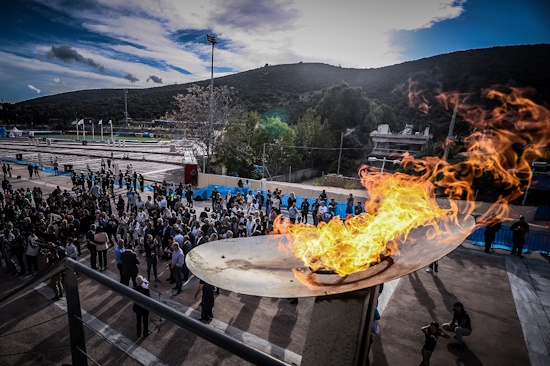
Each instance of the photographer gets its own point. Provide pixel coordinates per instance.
(151, 246)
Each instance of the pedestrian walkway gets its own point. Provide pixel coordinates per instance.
(530, 282)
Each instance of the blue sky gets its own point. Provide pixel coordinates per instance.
(55, 46)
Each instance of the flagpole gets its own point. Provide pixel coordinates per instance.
(77, 130)
(93, 135)
(102, 131)
(84, 130)
(112, 141)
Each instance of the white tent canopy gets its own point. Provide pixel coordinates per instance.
(16, 133)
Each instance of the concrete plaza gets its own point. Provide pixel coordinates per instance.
(508, 299)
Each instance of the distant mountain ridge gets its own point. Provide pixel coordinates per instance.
(293, 88)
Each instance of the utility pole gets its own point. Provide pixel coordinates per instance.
(263, 163)
(451, 129)
(340, 154)
(126, 106)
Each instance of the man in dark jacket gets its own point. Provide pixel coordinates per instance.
(90, 244)
(493, 225)
(129, 265)
(520, 229)
(142, 314)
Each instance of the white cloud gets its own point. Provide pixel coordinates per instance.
(33, 88)
(146, 37)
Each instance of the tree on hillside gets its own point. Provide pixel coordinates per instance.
(279, 139)
(343, 107)
(193, 110)
(383, 114)
(236, 151)
(311, 132)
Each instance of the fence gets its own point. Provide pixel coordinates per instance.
(534, 242)
(296, 176)
(339, 208)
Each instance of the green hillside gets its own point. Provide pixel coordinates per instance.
(292, 89)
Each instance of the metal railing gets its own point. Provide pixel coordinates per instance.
(78, 342)
(536, 240)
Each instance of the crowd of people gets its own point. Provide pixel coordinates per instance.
(161, 226)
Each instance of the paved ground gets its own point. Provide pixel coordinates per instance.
(508, 299)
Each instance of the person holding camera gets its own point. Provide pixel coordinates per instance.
(150, 246)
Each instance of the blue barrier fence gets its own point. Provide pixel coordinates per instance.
(534, 242)
(206, 194)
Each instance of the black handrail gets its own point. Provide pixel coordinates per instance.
(204, 331)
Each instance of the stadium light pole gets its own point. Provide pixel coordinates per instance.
(213, 40)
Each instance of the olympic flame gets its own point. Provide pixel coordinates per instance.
(505, 139)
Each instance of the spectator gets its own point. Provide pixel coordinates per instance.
(101, 240)
(431, 333)
(349, 205)
(304, 209)
(151, 256)
(176, 266)
(55, 280)
(520, 229)
(460, 324)
(433, 268)
(118, 251)
(70, 249)
(207, 303)
(91, 245)
(492, 226)
(32, 252)
(292, 212)
(129, 261)
(142, 314)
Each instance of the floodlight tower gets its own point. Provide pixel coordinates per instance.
(213, 40)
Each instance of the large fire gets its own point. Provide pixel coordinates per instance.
(505, 139)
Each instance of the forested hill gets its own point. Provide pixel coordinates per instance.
(291, 89)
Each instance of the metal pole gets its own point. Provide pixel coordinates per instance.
(363, 352)
(211, 127)
(77, 130)
(76, 329)
(263, 163)
(383, 165)
(93, 131)
(340, 154)
(527, 190)
(451, 129)
(101, 130)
